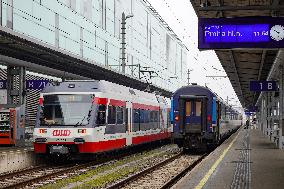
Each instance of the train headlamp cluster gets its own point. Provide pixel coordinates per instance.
(42, 131)
(40, 140)
(82, 131)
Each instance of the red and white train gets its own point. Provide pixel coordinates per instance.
(77, 117)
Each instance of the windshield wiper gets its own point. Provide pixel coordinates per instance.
(79, 123)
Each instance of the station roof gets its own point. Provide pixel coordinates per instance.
(242, 65)
(36, 53)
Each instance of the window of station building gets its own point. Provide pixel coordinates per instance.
(188, 108)
(119, 115)
(69, 3)
(101, 116)
(198, 108)
(111, 115)
(86, 8)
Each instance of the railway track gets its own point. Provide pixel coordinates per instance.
(44, 175)
(162, 175)
(30, 176)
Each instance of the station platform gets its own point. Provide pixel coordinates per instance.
(15, 158)
(246, 160)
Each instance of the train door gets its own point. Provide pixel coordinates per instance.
(128, 123)
(218, 110)
(192, 114)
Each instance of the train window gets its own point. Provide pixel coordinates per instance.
(125, 115)
(119, 115)
(111, 115)
(101, 117)
(142, 116)
(146, 116)
(188, 108)
(197, 108)
(47, 110)
(136, 116)
(58, 112)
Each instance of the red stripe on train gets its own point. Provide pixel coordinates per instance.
(93, 147)
(87, 147)
(149, 138)
(145, 107)
(117, 103)
(102, 101)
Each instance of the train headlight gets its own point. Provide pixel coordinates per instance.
(82, 131)
(79, 140)
(176, 118)
(40, 140)
(42, 131)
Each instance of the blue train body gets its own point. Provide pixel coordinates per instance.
(200, 117)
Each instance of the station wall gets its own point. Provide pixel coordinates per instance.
(92, 29)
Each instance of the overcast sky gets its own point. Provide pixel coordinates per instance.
(181, 17)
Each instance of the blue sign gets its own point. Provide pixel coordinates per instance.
(36, 84)
(3, 84)
(248, 113)
(253, 109)
(30, 84)
(258, 86)
(245, 32)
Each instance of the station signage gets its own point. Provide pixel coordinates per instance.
(258, 86)
(248, 113)
(30, 84)
(242, 32)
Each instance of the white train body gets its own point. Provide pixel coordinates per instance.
(97, 116)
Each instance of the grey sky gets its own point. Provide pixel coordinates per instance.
(181, 17)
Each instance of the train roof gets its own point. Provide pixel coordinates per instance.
(199, 91)
(194, 90)
(94, 86)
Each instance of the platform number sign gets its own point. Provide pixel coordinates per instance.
(30, 84)
(258, 86)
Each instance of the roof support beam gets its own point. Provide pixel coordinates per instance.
(261, 64)
(234, 8)
(221, 3)
(275, 3)
(260, 71)
(235, 75)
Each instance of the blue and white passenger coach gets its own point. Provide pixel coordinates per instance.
(200, 118)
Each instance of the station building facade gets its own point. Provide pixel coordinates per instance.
(91, 29)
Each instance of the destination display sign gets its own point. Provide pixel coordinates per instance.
(245, 32)
(258, 86)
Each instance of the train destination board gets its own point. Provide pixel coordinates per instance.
(252, 32)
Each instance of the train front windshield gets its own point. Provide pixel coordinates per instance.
(65, 110)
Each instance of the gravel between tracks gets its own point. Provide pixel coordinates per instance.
(136, 161)
(159, 177)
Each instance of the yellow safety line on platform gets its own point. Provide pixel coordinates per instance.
(214, 166)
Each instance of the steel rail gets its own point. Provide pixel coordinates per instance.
(144, 172)
(47, 176)
(175, 179)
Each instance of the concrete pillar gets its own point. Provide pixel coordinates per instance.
(16, 85)
(281, 107)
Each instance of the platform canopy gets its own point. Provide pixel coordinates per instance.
(243, 65)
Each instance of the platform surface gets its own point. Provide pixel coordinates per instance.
(6, 149)
(246, 160)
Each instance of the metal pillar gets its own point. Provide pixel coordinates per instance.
(281, 107)
(16, 86)
(123, 42)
